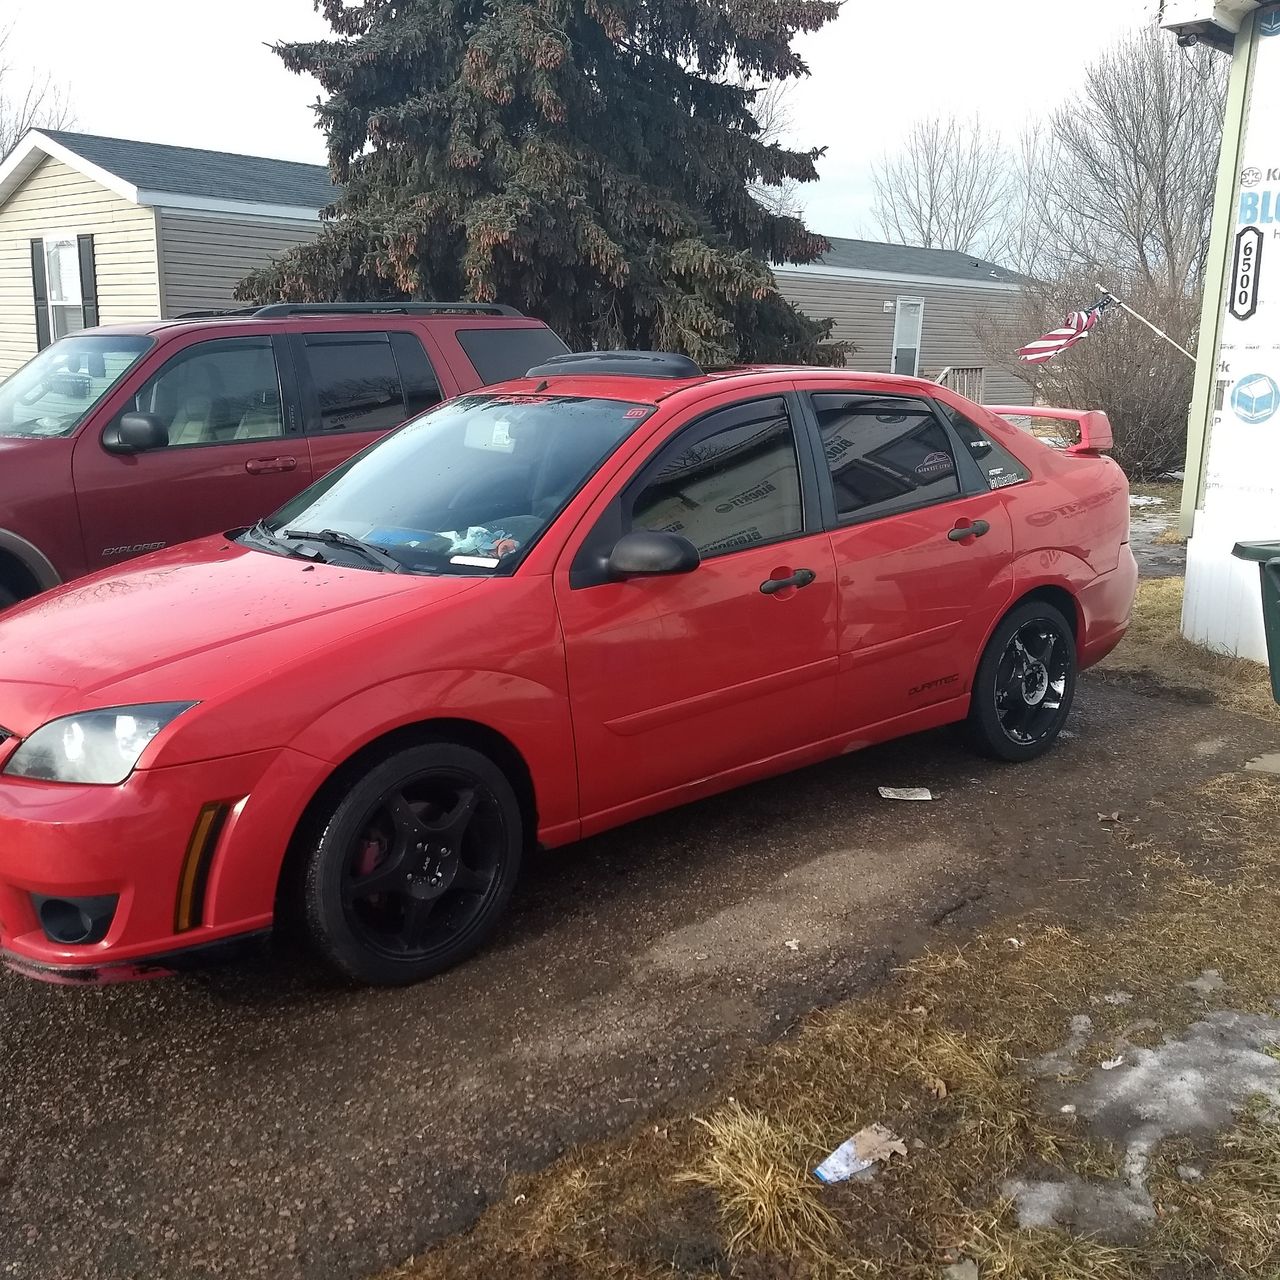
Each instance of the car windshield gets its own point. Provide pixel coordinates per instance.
(465, 488)
(52, 394)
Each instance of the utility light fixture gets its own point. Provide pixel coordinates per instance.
(1212, 22)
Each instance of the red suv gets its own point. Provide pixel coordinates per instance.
(129, 438)
(532, 614)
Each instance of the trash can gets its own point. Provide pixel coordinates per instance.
(1267, 557)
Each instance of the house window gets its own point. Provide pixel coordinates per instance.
(64, 282)
(908, 324)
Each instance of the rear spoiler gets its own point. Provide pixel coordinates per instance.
(1095, 426)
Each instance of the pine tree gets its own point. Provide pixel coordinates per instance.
(589, 161)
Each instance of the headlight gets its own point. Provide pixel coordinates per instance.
(95, 746)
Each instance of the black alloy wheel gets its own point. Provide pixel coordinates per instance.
(415, 867)
(1025, 684)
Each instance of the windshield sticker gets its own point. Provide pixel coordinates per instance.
(479, 562)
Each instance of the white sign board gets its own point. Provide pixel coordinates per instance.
(1242, 475)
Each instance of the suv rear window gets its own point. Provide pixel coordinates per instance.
(499, 354)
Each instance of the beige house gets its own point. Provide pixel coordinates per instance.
(910, 310)
(102, 230)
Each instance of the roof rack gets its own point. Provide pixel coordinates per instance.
(277, 309)
(210, 313)
(629, 364)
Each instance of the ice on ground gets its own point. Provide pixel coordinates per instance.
(1190, 1086)
(1209, 981)
(1062, 1060)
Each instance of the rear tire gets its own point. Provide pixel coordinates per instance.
(7, 596)
(414, 868)
(1025, 684)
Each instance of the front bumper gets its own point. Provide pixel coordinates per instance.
(133, 841)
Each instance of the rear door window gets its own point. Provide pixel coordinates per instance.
(885, 454)
(499, 354)
(356, 380)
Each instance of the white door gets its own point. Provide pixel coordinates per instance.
(907, 325)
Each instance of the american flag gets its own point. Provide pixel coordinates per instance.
(1076, 327)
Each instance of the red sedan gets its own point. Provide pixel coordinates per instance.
(531, 614)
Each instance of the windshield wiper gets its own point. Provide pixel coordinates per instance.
(334, 538)
(264, 534)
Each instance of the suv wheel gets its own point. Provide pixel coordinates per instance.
(415, 867)
(1025, 684)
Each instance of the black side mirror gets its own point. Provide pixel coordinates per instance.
(135, 433)
(647, 552)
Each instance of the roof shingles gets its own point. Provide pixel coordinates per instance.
(218, 175)
(910, 260)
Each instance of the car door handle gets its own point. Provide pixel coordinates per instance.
(257, 466)
(975, 529)
(801, 578)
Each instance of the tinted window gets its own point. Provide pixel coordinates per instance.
(726, 490)
(499, 354)
(996, 463)
(884, 454)
(421, 386)
(216, 392)
(468, 486)
(51, 394)
(357, 381)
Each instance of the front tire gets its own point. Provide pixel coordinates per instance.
(415, 867)
(1025, 684)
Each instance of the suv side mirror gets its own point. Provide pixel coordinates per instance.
(135, 433)
(646, 552)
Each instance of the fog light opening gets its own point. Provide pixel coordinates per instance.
(72, 921)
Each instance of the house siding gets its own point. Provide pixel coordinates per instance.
(57, 198)
(949, 335)
(203, 258)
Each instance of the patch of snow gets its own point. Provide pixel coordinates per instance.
(1062, 1060)
(1190, 1086)
(1145, 500)
(1209, 981)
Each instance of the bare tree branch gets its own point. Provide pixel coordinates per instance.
(1125, 179)
(949, 187)
(772, 109)
(38, 103)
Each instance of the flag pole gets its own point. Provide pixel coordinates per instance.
(1158, 332)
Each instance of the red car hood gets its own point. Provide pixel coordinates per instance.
(186, 623)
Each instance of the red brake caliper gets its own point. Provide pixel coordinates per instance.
(371, 851)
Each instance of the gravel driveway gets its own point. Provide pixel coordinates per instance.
(251, 1122)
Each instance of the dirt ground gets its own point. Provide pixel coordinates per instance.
(250, 1122)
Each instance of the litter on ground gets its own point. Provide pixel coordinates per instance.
(906, 793)
(874, 1144)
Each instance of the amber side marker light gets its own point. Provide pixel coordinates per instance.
(195, 866)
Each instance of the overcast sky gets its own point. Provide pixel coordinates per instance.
(201, 75)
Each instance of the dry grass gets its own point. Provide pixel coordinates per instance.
(1155, 650)
(729, 1192)
(1169, 491)
(1170, 537)
(759, 1171)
